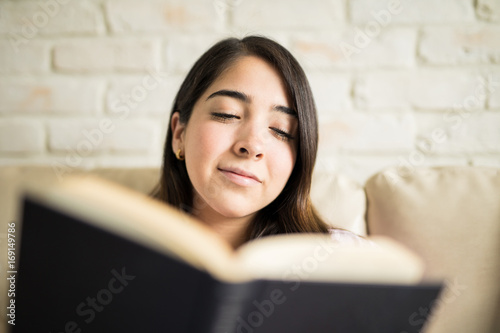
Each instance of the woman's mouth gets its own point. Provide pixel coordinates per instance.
(240, 176)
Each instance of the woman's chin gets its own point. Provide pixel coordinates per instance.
(236, 214)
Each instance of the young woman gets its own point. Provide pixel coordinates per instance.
(242, 142)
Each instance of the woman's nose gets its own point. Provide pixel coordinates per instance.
(250, 142)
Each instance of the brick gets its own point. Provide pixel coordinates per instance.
(182, 50)
(78, 137)
(162, 16)
(382, 90)
(444, 89)
(331, 92)
(150, 94)
(87, 137)
(53, 95)
(21, 136)
(352, 48)
(488, 10)
(490, 160)
(98, 55)
(282, 14)
(455, 132)
(137, 136)
(494, 90)
(460, 45)
(360, 132)
(25, 20)
(34, 57)
(426, 89)
(412, 12)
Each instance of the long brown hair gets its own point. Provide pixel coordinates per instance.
(291, 211)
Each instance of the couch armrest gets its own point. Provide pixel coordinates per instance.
(451, 217)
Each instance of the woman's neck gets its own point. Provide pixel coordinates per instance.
(233, 230)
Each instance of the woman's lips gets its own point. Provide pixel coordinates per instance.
(240, 177)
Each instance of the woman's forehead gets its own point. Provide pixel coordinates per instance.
(255, 78)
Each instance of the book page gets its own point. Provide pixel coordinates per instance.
(316, 257)
(144, 220)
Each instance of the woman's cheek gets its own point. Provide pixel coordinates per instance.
(282, 162)
(204, 139)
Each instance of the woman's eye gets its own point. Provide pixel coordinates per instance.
(223, 117)
(282, 135)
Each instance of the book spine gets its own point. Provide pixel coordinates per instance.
(233, 299)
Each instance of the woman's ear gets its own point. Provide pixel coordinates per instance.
(177, 132)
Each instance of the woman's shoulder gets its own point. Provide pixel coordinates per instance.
(346, 237)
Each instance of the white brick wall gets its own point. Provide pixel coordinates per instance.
(494, 89)
(332, 93)
(444, 89)
(159, 16)
(383, 90)
(397, 82)
(463, 132)
(32, 19)
(21, 136)
(51, 94)
(105, 134)
(460, 45)
(106, 55)
(34, 58)
(351, 48)
(415, 12)
(292, 14)
(367, 133)
(489, 10)
(145, 95)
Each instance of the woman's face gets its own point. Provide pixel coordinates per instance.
(240, 143)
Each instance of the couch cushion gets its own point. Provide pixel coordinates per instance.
(451, 217)
(340, 201)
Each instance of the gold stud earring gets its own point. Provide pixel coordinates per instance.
(178, 155)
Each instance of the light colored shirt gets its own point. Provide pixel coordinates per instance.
(345, 237)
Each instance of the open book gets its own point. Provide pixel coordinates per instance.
(96, 257)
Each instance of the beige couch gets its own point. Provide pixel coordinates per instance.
(450, 216)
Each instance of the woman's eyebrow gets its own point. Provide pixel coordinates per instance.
(231, 93)
(286, 110)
